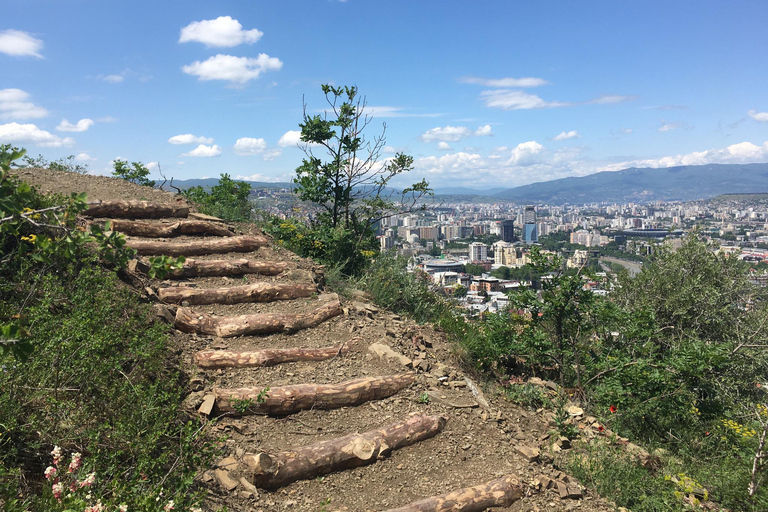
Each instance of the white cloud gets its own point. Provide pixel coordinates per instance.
(573, 134)
(512, 99)
(484, 131)
(188, 138)
(291, 138)
(443, 146)
(525, 153)
(13, 105)
(113, 79)
(612, 99)
(237, 70)
(446, 134)
(262, 177)
(107, 119)
(384, 111)
(84, 157)
(20, 44)
(504, 82)
(16, 133)
(222, 32)
(741, 153)
(668, 127)
(203, 150)
(758, 116)
(152, 165)
(81, 126)
(452, 164)
(271, 154)
(247, 146)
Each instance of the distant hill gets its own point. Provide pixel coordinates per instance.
(684, 183)
(209, 182)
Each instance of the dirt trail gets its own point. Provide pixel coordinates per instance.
(485, 437)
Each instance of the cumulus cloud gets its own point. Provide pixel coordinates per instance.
(573, 134)
(758, 116)
(20, 44)
(113, 79)
(247, 146)
(446, 134)
(188, 138)
(16, 133)
(203, 151)
(741, 153)
(84, 157)
(504, 82)
(223, 32)
(238, 70)
(511, 99)
(81, 126)
(14, 105)
(152, 165)
(271, 154)
(450, 164)
(292, 138)
(263, 178)
(443, 146)
(525, 153)
(484, 131)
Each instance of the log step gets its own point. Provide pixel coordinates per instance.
(497, 493)
(351, 451)
(188, 320)
(135, 210)
(257, 292)
(198, 247)
(169, 229)
(212, 359)
(285, 400)
(212, 268)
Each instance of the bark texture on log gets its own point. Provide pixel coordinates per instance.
(135, 210)
(346, 452)
(211, 359)
(257, 292)
(198, 247)
(498, 493)
(170, 229)
(291, 399)
(188, 320)
(207, 268)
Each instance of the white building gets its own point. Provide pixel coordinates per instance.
(478, 251)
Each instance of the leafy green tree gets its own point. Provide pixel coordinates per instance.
(136, 172)
(227, 199)
(475, 270)
(351, 185)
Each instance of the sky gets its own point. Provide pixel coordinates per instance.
(485, 94)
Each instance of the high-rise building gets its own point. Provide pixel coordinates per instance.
(478, 251)
(508, 230)
(530, 233)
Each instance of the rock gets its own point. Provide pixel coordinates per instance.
(226, 481)
(162, 312)
(477, 393)
(207, 407)
(575, 410)
(228, 463)
(563, 442)
(196, 384)
(194, 400)
(529, 452)
(459, 403)
(385, 353)
(457, 384)
(202, 216)
(551, 385)
(248, 486)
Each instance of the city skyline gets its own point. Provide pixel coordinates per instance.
(497, 95)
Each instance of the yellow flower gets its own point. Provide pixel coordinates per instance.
(31, 238)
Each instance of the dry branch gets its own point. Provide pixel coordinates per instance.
(199, 247)
(135, 210)
(188, 320)
(286, 400)
(498, 493)
(170, 229)
(346, 452)
(257, 292)
(211, 359)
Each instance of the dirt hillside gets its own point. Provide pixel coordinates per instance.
(484, 438)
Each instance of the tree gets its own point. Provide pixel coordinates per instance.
(351, 185)
(227, 199)
(135, 173)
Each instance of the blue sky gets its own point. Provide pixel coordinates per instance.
(483, 94)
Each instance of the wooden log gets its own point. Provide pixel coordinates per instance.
(351, 451)
(199, 247)
(170, 229)
(497, 493)
(188, 320)
(211, 359)
(285, 400)
(135, 210)
(256, 292)
(208, 268)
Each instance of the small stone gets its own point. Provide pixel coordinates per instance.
(466, 447)
(529, 452)
(228, 463)
(575, 410)
(207, 407)
(225, 480)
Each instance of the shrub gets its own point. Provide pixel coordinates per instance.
(228, 199)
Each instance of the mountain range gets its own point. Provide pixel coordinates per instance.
(639, 185)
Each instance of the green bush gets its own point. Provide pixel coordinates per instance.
(228, 199)
(136, 172)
